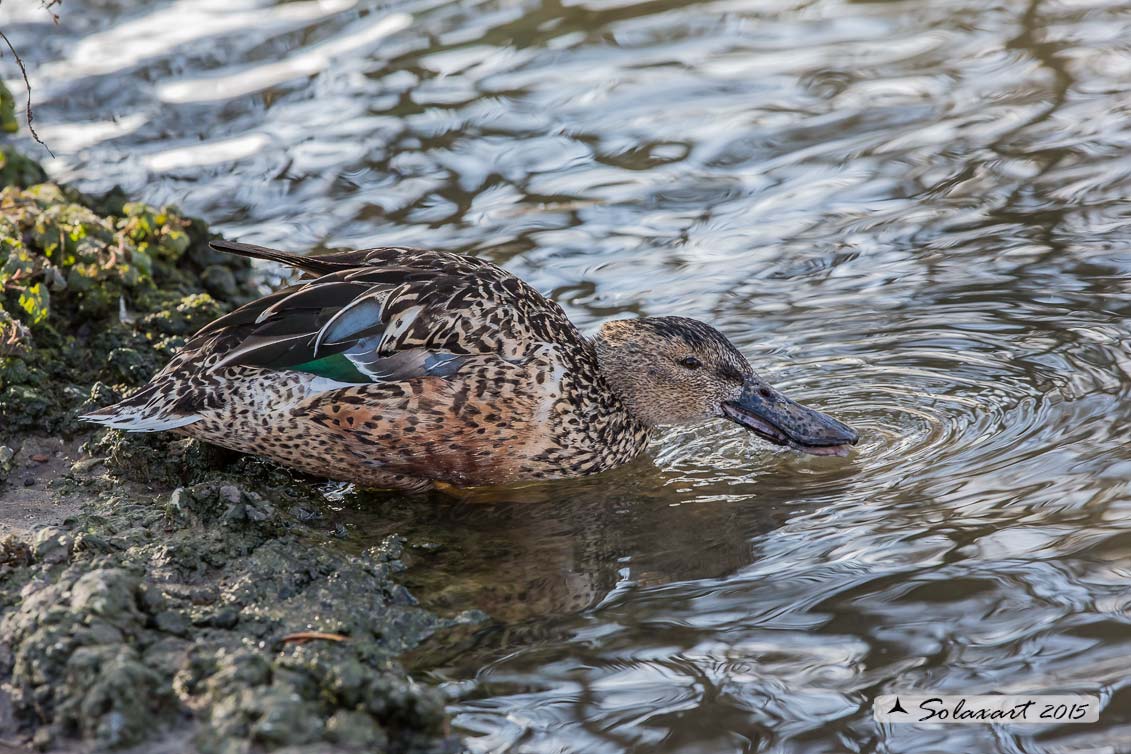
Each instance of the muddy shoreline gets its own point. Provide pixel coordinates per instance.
(158, 594)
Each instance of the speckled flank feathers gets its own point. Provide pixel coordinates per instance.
(394, 367)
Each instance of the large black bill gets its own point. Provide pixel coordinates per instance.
(770, 415)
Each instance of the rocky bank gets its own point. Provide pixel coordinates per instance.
(157, 594)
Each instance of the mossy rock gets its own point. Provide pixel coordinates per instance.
(8, 122)
(18, 170)
(97, 291)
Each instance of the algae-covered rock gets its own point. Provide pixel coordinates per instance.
(8, 122)
(187, 598)
(15, 169)
(18, 170)
(96, 291)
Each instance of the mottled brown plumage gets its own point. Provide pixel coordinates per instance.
(397, 367)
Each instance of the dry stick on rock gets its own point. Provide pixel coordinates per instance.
(304, 636)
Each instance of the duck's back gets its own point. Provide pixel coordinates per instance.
(409, 298)
(390, 367)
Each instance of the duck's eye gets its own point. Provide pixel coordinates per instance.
(690, 362)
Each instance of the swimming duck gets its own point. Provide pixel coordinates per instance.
(397, 368)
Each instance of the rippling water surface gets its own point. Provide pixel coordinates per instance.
(912, 215)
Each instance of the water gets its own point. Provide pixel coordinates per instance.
(911, 215)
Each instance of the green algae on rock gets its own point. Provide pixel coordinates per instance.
(97, 290)
(15, 168)
(8, 122)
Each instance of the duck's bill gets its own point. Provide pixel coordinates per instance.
(782, 421)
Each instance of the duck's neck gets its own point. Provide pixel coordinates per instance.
(611, 431)
(614, 363)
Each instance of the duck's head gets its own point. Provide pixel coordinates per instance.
(674, 370)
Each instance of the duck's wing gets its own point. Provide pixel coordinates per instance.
(384, 314)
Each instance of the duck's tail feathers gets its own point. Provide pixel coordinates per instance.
(144, 411)
(313, 265)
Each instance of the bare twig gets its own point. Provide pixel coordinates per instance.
(47, 5)
(27, 85)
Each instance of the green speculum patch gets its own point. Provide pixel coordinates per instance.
(336, 367)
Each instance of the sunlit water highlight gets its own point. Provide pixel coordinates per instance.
(911, 215)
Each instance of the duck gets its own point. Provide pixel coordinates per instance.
(403, 368)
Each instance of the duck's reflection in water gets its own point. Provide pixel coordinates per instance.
(530, 555)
